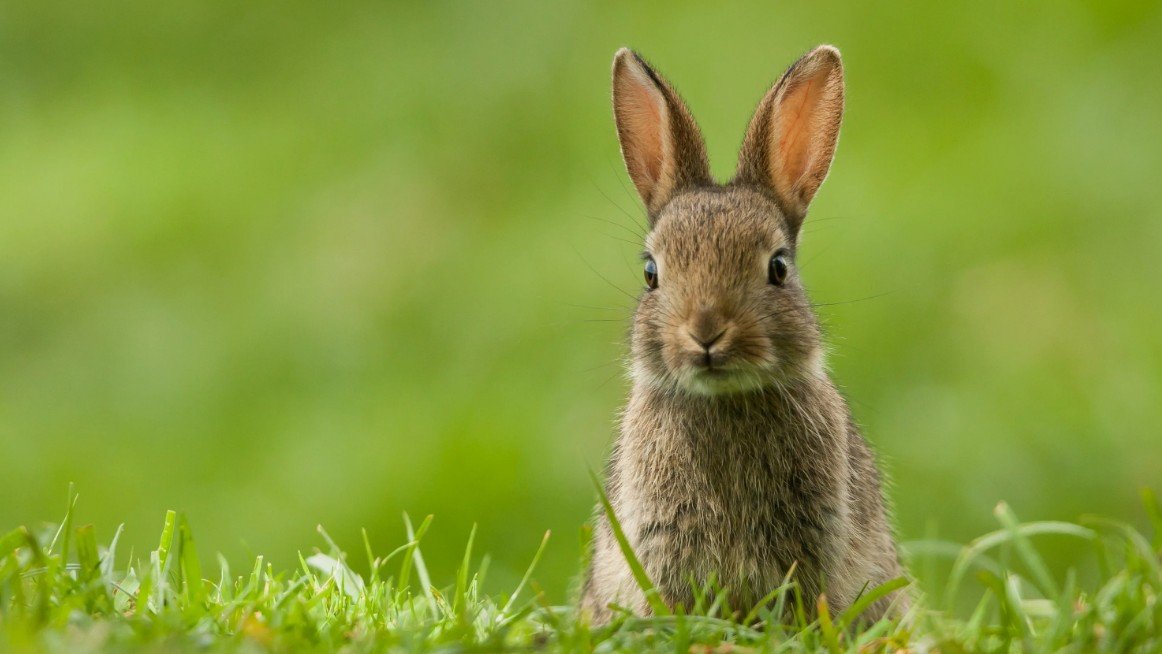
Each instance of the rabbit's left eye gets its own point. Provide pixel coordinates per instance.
(651, 274)
(778, 268)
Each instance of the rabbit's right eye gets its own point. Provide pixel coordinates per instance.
(651, 274)
(778, 268)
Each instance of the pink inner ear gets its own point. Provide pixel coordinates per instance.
(805, 129)
(794, 143)
(640, 115)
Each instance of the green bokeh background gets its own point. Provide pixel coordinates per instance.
(279, 264)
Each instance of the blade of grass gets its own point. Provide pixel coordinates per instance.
(9, 546)
(482, 570)
(225, 589)
(109, 561)
(1012, 585)
(780, 610)
(929, 549)
(166, 540)
(1154, 512)
(1131, 629)
(255, 578)
(87, 554)
(525, 579)
(1009, 616)
(753, 614)
(976, 620)
(13, 540)
(144, 589)
(460, 599)
(372, 562)
(416, 559)
(1026, 551)
(384, 560)
(969, 553)
(191, 567)
(865, 600)
(826, 627)
(1133, 537)
(64, 531)
(639, 573)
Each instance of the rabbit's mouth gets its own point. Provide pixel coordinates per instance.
(718, 361)
(721, 379)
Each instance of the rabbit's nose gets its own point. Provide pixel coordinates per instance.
(706, 341)
(707, 326)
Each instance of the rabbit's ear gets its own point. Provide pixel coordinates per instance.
(791, 139)
(660, 142)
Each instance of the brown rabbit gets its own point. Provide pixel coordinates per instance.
(737, 457)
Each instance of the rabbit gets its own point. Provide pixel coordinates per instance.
(737, 459)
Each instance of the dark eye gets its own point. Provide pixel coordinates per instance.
(778, 269)
(651, 274)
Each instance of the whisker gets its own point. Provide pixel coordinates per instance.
(816, 219)
(620, 240)
(632, 195)
(608, 379)
(603, 277)
(639, 235)
(816, 305)
(815, 255)
(615, 204)
(588, 306)
(599, 367)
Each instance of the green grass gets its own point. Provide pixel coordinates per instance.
(60, 590)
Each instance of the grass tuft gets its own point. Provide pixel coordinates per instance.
(61, 591)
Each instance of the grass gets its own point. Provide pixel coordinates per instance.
(61, 590)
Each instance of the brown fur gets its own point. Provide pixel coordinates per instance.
(737, 457)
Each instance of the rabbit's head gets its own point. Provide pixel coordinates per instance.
(724, 310)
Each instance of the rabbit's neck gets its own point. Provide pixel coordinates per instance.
(803, 416)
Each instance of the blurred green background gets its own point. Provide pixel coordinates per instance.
(279, 264)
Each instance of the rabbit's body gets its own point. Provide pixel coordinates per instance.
(737, 457)
(739, 490)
